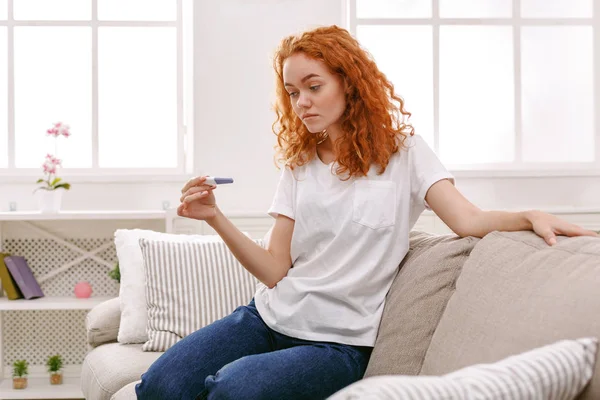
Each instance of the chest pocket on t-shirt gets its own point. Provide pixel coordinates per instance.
(374, 203)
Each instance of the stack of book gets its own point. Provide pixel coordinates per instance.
(17, 278)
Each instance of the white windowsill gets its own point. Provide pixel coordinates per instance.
(66, 215)
(550, 210)
(134, 178)
(28, 178)
(565, 173)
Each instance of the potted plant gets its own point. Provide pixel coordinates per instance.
(115, 273)
(51, 191)
(55, 364)
(20, 371)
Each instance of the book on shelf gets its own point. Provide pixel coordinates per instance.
(23, 276)
(8, 283)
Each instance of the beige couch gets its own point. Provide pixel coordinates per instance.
(455, 302)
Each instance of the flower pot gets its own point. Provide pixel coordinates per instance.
(56, 378)
(49, 201)
(19, 382)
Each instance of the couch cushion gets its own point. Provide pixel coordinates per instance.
(127, 392)
(516, 293)
(102, 322)
(109, 367)
(416, 301)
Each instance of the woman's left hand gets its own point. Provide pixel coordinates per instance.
(547, 226)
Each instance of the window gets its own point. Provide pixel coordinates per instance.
(116, 71)
(493, 84)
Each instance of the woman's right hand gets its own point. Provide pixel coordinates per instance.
(197, 200)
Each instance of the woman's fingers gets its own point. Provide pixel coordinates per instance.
(191, 191)
(196, 189)
(195, 196)
(574, 230)
(193, 182)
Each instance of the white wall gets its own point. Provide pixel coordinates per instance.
(233, 89)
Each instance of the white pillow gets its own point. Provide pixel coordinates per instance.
(132, 293)
(190, 285)
(559, 371)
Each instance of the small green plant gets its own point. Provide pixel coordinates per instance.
(20, 368)
(115, 273)
(54, 363)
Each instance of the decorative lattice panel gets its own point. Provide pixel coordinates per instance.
(45, 255)
(33, 335)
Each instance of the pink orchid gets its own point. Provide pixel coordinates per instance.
(50, 159)
(59, 129)
(49, 168)
(51, 163)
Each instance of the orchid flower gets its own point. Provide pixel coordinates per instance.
(59, 129)
(51, 163)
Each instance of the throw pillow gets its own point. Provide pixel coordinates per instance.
(132, 295)
(416, 301)
(558, 371)
(516, 293)
(190, 285)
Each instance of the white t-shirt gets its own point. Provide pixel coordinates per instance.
(348, 241)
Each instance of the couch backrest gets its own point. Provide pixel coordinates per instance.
(416, 301)
(516, 293)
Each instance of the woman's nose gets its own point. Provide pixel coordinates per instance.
(303, 101)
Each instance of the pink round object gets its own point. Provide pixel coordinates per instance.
(83, 290)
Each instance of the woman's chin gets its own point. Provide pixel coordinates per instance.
(314, 128)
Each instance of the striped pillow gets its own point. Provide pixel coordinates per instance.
(558, 371)
(188, 286)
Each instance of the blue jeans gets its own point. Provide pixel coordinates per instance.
(239, 357)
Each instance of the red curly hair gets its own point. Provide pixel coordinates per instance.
(373, 125)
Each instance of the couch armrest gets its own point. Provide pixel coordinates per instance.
(102, 322)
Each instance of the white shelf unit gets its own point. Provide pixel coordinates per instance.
(51, 303)
(40, 388)
(81, 215)
(38, 383)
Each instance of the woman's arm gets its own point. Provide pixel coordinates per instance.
(466, 219)
(270, 265)
(267, 265)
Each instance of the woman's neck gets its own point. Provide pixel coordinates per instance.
(326, 151)
(326, 148)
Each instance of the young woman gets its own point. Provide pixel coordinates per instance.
(355, 181)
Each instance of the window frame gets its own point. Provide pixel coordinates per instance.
(517, 168)
(183, 25)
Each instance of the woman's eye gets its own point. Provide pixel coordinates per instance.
(315, 87)
(293, 94)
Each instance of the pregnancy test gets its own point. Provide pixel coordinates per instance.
(211, 180)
